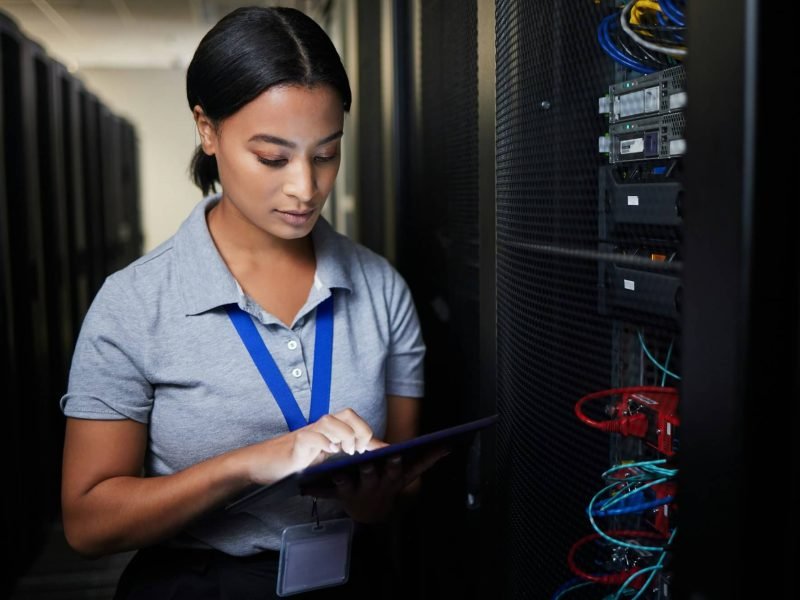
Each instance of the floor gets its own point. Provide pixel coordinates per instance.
(60, 573)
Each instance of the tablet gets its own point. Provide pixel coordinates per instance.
(319, 476)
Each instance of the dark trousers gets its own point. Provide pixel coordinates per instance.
(158, 573)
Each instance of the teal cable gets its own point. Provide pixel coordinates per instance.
(654, 568)
(638, 465)
(654, 360)
(607, 537)
(666, 363)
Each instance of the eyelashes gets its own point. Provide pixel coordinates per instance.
(277, 163)
(280, 162)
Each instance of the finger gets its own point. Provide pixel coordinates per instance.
(338, 431)
(368, 481)
(361, 430)
(344, 486)
(425, 462)
(375, 443)
(314, 446)
(393, 472)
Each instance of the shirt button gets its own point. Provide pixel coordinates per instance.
(292, 345)
(297, 372)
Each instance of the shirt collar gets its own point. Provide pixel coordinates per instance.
(205, 280)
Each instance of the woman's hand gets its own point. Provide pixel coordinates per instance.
(343, 432)
(370, 496)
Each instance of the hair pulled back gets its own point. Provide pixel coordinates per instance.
(249, 51)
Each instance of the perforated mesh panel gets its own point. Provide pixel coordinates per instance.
(554, 345)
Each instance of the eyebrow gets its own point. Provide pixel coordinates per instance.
(273, 139)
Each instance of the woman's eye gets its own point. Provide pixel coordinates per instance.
(324, 159)
(277, 162)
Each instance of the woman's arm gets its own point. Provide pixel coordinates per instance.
(108, 506)
(402, 418)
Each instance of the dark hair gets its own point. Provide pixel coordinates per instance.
(250, 50)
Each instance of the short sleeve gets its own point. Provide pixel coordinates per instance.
(405, 362)
(106, 379)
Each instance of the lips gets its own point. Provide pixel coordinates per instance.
(295, 217)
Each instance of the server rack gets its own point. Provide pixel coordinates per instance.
(538, 207)
(74, 172)
(114, 225)
(27, 294)
(131, 233)
(9, 365)
(54, 191)
(742, 305)
(55, 235)
(553, 346)
(94, 209)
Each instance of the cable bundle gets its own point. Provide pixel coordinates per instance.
(645, 36)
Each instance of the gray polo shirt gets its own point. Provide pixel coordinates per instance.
(158, 347)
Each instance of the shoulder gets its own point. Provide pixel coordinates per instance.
(147, 275)
(339, 250)
(134, 297)
(365, 266)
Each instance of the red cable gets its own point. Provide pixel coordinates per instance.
(628, 425)
(611, 578)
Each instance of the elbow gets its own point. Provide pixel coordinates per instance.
(81, 541)
(82, 535)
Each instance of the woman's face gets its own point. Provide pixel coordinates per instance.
(278, 157)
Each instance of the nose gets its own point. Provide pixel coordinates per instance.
(300, 181)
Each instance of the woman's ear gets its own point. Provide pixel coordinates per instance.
(207, 131)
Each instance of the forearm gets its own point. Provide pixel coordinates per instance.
(121, 513)
(107, 507)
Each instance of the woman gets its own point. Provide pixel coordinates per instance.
(255, 342)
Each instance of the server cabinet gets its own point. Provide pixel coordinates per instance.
(646, 291)
(27, 295)
(75, 198)
(115, 228)
(742, 310)
(94, 207)
(553, 345)
(438, 250)
(55, 238)
(68, 216)
(9, 504)
(131, 229)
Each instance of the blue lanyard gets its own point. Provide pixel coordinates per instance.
(323, 357)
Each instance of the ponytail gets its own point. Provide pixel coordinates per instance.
(204, 171)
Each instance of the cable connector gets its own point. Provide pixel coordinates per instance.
(647, 412)
(635, 425)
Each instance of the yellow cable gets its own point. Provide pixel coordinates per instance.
(640, 8)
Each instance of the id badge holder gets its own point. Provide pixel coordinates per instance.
(314, 555)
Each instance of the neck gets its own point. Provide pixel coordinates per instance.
(238, 239)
